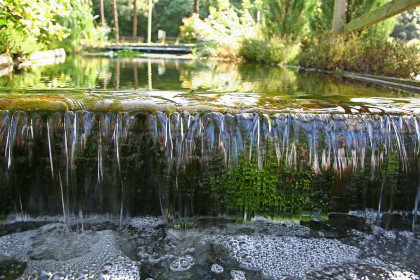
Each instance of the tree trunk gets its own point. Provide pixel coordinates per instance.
(340, 7)
(149, 23)
(116, 28)
(196, 6)
(135, 18)
(102, 13)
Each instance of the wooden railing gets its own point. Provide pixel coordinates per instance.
(388, 10)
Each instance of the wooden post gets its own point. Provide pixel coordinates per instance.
(340, 7)
(149, 24)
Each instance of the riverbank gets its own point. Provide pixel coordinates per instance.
(39, 57)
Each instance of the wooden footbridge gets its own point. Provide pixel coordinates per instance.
(154, 48)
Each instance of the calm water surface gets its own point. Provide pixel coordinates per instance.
(179, 169)
(126, 84)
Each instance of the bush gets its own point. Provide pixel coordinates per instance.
(274, 50)
(288, 17)
(79, 25)
(355, 53)
(30, 24)
(221, 33)
(16, 42)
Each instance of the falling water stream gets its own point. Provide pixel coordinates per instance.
(190, 192)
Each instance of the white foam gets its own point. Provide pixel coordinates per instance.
(100, 257)
(277, 257)
(182, 263)
(217, 268)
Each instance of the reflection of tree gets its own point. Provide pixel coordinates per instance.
(76, 72)
(228, 77)
(117, 75)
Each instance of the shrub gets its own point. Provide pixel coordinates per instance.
(288, 17)
(221, 33)
(15, 42)
(274, 50)
(194, 29)
(33, 22)
(355, 53)
(79, 25)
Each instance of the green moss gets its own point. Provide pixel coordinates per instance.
(35, 103)
(115, 106)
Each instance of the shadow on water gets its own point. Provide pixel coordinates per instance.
(101, 194)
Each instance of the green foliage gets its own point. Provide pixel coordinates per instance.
(321, 17)
(80, 27)
(16, 42)
(408, 25)
(171, 13)
(273, 190)
(224, 29)
(355, 53)
(287, 18)
(35, 18)
(274, 50)
(192, 28)
(128, 53)
(29, 25)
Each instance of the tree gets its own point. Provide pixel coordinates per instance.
(26, 26)
(408, 26)
(116, 28)
(287, 18)
(169, 14)
(134, 18)
(196, 6)
(102, 12)
(149, 23)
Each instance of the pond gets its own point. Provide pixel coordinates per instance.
(116, 168)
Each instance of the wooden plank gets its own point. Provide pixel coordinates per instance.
(386, 11)
(339, 20)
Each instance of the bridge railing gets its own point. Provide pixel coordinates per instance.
(384, 12)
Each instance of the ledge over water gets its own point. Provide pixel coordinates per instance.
(171, 101)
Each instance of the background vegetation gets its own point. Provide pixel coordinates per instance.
(265, 31)
(30, 25)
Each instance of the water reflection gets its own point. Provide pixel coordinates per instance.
(107, 83)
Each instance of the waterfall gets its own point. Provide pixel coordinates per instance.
(96, 160)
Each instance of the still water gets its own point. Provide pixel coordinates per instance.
(127, 84)
(179, 169)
